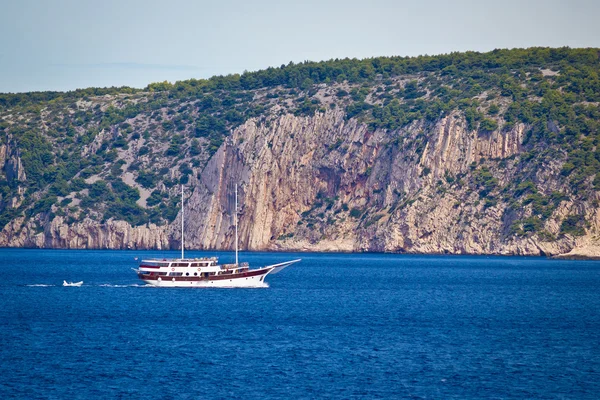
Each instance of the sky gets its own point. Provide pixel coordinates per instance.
(69, 44)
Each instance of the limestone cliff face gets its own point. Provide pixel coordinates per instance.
(288, 166)
(86, 235)
(330, 184)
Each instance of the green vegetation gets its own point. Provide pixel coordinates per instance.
(574, 225)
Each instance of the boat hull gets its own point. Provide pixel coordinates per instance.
(249, 282)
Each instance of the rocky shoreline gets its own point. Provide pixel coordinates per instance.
(582, 253)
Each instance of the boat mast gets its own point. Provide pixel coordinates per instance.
(181, 221)
(236, 226)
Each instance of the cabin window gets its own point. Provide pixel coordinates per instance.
(187, 274)
(175, 273)
(154, 273)
(182, 264)
(195, 274)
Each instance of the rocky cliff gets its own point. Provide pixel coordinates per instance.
(289, 175)
(312, 175)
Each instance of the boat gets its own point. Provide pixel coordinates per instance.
(65, 283)
(205, 272)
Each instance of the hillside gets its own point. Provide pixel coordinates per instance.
(464, 153)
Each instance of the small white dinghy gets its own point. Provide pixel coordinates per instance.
(65, 283)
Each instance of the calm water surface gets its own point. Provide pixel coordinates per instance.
(332, 326)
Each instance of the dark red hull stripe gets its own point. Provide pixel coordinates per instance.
(148, 277)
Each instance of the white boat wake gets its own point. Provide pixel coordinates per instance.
(121, 286)
(79, 284)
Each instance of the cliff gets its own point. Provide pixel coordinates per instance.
(313, 174)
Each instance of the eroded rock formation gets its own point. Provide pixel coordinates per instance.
(325, 183)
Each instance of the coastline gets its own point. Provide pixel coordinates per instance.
(588, 253)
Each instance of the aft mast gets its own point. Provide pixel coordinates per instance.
(182, 222)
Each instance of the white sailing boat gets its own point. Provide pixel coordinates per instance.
(205, 272)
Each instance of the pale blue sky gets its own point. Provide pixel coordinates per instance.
(68, 44)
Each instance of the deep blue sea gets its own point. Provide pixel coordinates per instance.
(333, 326)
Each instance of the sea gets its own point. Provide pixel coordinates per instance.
(335, 326)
